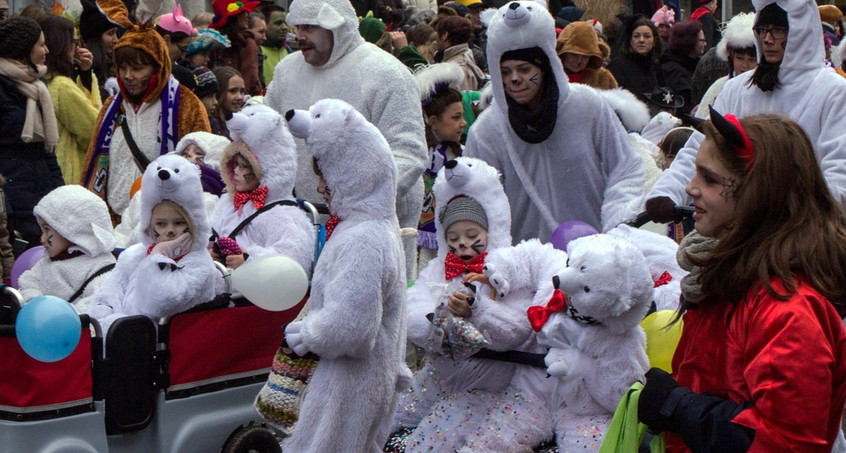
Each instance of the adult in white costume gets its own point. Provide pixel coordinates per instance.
(381, 88)
(807, 92)
(567, 159)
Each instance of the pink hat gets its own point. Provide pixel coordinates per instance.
(175, 22)
(664, 16)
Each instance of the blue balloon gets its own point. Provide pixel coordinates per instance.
(48, 328)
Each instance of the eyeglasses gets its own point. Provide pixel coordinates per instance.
(775, 32)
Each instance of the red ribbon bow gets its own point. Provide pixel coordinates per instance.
(330, 225)
(538, 315)
(257, 196)
(454, 266)
(663, 279)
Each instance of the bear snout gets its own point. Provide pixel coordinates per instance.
(514, 5)
(299, 122)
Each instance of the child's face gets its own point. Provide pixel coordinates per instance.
(467, 239)
(209, 102)
(233, 98)
(323, 189)
(243, 177)
(574, 62)
(194, 153)
(167, 222)
(713, 189)
(200, 58)
(449, 125)
(53, 242)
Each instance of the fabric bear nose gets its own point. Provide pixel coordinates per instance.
(514, 5)
(556, 281)
(164, 175)
(450, 164)
(289, 114)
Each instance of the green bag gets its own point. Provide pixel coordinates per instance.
(625, 432)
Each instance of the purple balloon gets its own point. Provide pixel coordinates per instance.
(25, 262)
(568, 231)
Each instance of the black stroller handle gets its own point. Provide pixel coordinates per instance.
(642, 218)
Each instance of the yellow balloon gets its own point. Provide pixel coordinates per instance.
(661, 340)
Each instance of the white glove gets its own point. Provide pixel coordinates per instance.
(295, 339)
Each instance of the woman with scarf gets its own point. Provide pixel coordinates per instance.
(28, 125)
(146, 119)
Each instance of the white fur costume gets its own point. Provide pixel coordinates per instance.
(356, 321)
(586, 170)
(261, 136)
(155, 285)
(83, 219)
(592, 365)
(446, 397)
(375, 83)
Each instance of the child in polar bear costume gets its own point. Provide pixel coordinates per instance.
(259, 168)
(356, 321)
(78, 241)
(597, 350)
(446, 393)
(170, 271)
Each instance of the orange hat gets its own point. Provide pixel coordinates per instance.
(830, 14)
(224, 9)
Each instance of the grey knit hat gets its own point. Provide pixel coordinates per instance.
(17, 37)
(463, 208)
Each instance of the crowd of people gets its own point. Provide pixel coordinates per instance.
(164, 141)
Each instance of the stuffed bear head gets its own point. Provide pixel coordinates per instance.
(607, 280)
(261, 136)
(353, 157)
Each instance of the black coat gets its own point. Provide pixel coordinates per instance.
(638, 74)
(30, 171)
(678, 72)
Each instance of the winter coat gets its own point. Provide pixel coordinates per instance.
(588, 148)
(76, 110)
(710, 67)
(272, 56)
(385, 93)
(64, 277)
(580, 38)
(461, 54)
(710, 26)
(678, 71)
(796, 405)
(30, 171)
(243, 55)
(799, 97)
(638, 74)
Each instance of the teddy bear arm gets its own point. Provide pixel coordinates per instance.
(617, 369)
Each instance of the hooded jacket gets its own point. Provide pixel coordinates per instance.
(372, 81)
(580, 38)
(800, 96)
(586, 170)
(190, 116)
(262, 138)
(152, 284)
(83, 219)
(356, 320)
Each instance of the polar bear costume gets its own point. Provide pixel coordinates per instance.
(596, 353)
(83, 219)
(261, 136)
(585, 170)
(154, 285)
(356, 321)
(446, 395)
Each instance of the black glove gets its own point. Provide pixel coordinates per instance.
(659, 385)
(660, 210)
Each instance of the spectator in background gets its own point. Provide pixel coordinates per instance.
(830, 17)
(201, 21)
(258, 25)
(177, 31)
(199, 51)
(206, 89)
(453, 36)
(687, 44)
(480, 31)
(4, 14)
(583, 55)
(664, 19)
(99, 36)
(232, 19)
(231, 94)
(636, 66)
(710, 26)
(275, 47)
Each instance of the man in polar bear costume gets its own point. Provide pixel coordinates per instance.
(167, 272)
(597, 350)
(357, 317)
(499, 315)
(335, 62)
(562, 153)
(262, 140)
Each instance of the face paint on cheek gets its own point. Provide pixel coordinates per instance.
(478, 246)
(729, 186)
(50, 240)
(534, 78)
(451, 249)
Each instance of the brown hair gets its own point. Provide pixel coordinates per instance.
(788, 230)
(223, 74)
(626, 42)
(58, 36)
(684, 36)
(458, 29)
(134, 56)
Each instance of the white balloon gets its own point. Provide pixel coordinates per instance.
(272, 282)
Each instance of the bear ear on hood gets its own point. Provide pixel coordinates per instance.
(328, 18)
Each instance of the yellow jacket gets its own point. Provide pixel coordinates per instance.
(76, 111)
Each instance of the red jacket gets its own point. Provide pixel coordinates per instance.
(782, 360)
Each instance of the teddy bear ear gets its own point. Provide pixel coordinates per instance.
(328, 18)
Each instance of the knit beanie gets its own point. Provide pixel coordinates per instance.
(92, 22)
(17, 37)
(772, 14)
(533, 55)
(463, 208)
(206, 82)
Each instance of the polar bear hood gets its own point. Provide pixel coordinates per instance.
(80, 217)
(337, 16)
(174, 178)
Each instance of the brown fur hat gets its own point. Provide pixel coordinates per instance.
(580, 38)
(227, 164)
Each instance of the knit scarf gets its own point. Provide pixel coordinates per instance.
(698, 246)
(40, 124)
(535, 125)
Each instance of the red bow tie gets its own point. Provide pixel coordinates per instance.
(538, 315)
(257, 196)
(663, 279)
(330, 225)
(454, 266)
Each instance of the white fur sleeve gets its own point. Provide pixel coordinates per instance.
(170, 287)
(108, 298)
(421, 301)
(30, 284)
(285, 230)
(674, 179)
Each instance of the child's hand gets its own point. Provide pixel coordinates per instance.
(174, 248)
(215, 256)
(459, 304)
(234, 261)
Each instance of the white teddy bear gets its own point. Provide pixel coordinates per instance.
(597, 347)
